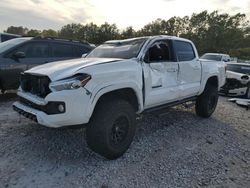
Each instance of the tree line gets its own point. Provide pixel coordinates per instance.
(211, 32)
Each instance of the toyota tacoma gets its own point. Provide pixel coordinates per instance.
(116, 81)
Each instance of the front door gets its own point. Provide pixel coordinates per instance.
(160, 74)
(35, 53)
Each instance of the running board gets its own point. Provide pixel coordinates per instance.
(168, 105)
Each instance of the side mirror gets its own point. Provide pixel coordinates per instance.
(84, 55)
(19, 55)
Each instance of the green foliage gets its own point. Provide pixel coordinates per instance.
(33, 32)
(49, 33)
(211, 32)
(17, 30)
(89, 32)
(70, 31)
(153, 28)
(243, 53)
(129, 32)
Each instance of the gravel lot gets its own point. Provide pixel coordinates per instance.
(177, 149)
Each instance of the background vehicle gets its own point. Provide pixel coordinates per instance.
(114, 82)
(20, 54)
(216, 57)
(237, 80)
(7, 36)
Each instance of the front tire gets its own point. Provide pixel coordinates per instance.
(1, 88)
(111, 128)
(247, 95)
(206, 103)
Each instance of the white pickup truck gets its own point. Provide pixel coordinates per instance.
(116, 81)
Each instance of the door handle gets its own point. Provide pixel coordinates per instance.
(172, 70)
(196, 67)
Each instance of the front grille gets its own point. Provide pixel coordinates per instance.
(37, 85)
(50, 108)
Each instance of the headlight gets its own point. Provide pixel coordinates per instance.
(74, 82)
(245, 77)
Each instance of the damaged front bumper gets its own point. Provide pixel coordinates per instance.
(57, 109)
(234, 87)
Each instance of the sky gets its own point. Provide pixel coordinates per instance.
(53, 14)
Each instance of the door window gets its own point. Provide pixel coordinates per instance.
(6, 37)
(80, 50)
(184, 51)
(160, 51)
(34, 50)
(62, 50)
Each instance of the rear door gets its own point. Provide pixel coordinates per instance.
(189, 76)
(160, 74)
(62, 51)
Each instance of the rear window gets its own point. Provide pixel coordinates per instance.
(7, 45)
(243, 69)
(7, 37)
(62, 50)
(184, 51)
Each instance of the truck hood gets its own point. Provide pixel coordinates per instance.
(62, 69)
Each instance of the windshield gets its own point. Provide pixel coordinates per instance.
(243, 69)
(211, 57)
(125, 49)
(11, 43)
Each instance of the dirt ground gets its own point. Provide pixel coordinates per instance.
(177, 149)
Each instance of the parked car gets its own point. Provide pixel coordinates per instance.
(237, 80)
(216, 57)
(20, 54)
(7, 36)
(116, 81)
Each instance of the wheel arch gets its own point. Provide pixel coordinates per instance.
(128, 93)
(213, 80)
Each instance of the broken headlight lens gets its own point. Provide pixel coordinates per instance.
(245, 77)
(74, 82)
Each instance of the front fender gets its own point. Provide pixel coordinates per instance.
(205, 80)
(100, 90)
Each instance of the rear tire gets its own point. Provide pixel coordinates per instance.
(111, 128)
(206, 103)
